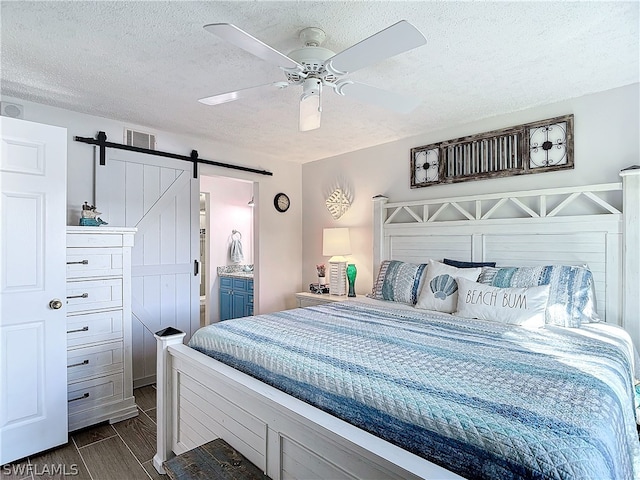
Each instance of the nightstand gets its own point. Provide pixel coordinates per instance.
(308, 299)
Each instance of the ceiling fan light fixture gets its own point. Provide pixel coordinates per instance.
(311, 86)
(310, 106)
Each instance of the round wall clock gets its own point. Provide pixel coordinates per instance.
(281, 202)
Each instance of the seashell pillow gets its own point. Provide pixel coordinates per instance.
(440, 289)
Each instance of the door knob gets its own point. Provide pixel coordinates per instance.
(55, 304)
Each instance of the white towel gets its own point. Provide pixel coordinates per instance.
(236, 248)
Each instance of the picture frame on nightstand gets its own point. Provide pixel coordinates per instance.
(318, 288)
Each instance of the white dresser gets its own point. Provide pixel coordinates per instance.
(99, 374)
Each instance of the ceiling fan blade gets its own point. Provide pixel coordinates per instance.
(397, 38)
(376, 96)
(310, 105)
(242, 39)
(243, 93)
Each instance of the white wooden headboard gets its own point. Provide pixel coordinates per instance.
(594, 225)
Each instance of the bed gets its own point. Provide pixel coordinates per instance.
(455, 427)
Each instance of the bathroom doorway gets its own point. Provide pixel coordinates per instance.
(227, 223)
(204, 255)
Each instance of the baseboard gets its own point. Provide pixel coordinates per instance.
(114, 412)
(143, 382)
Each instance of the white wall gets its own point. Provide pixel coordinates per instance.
(278, 247)
(228, 211)
(606, 127)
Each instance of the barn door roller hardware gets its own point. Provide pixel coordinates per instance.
(101, 141)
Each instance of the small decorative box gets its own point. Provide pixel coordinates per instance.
(317, 288)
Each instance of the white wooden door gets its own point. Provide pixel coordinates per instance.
(160, 197)
(33, 337)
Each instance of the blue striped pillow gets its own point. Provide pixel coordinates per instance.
(398, 282)
(571, 299)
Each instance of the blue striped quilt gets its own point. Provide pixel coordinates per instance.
(482, 399)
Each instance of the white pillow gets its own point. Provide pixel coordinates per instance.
(514, 306)
(440, 289)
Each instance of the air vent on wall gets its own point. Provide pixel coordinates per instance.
(11, 110)
(139, 139)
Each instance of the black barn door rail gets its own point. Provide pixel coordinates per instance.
(101, 141)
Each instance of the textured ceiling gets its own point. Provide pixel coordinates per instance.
(147, 63)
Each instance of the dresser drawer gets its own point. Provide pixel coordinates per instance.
(95, 240)
(95, 392)
(88, 295)
(94, 262)
(94, 327)
(93, 361)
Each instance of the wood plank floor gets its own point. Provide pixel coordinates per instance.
(122, 451)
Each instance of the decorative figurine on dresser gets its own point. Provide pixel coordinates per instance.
(89, 216)
(99, 371)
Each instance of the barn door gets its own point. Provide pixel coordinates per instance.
(160, 197)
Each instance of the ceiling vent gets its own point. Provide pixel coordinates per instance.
(139, 139)
(11, 110)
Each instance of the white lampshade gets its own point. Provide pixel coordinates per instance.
(336, 242)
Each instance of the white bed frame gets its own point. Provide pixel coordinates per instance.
(200, 399)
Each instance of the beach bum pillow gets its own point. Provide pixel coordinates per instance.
(514, 306)
(461, 264)
(571, 300)
(398, 282)
(440, 289)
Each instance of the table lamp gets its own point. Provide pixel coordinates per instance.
(336, 244)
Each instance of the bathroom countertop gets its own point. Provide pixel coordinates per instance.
(236, 274)
(237, 271)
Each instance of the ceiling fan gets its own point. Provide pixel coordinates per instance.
(314, 67)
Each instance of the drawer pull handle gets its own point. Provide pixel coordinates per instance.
(83, 329)
(86, 362)
(82, 262)
(84, 295)
(86, 395)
